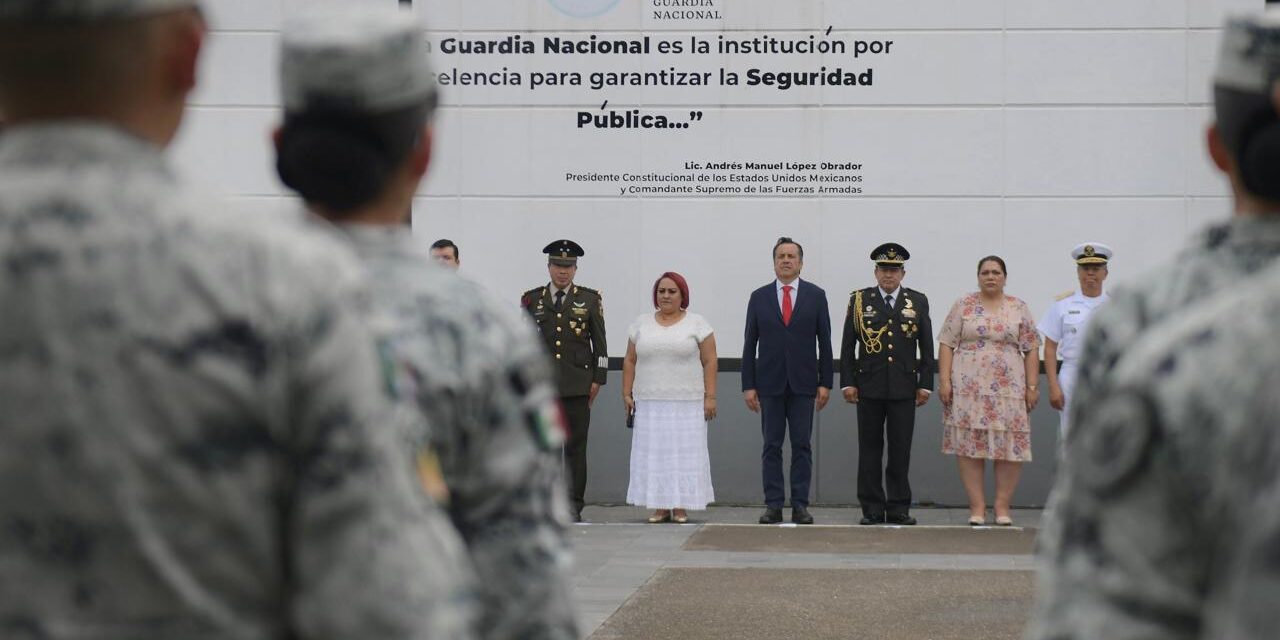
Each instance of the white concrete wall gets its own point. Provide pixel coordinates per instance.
(1015, 127)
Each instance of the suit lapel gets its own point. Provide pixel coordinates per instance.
(775, 303)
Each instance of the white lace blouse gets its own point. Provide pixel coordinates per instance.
(668, 366)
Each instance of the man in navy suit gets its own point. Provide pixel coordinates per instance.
(788, 321)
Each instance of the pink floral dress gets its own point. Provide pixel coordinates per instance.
(988, 413)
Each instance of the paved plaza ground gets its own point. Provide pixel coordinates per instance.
(723, 576)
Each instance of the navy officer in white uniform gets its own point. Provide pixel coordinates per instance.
(1063, 325)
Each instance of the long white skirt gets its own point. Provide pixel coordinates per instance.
(670, 465)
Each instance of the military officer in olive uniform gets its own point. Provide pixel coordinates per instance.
(881, 372)
(571, 319)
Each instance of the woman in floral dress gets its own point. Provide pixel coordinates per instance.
(988, 365)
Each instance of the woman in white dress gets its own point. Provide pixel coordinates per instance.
(669, 384)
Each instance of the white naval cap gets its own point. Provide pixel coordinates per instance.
(84, 11)
(1249, 59)
(1092, 253)
(355, 59)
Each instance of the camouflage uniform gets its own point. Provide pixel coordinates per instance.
(1167, 521)
(195, 444)
(1216, 261)
(473, 365)
(482, 379)
(1163, 522)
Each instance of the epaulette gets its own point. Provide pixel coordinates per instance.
(577, 288)
(529, 296)
(1064, 295)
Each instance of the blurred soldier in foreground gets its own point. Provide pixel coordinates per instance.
(1171, 526)
(570, 318)
(195, 441)
(1164, 522)
(358, 95)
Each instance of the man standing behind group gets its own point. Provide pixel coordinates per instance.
(1064, 323)
(786, 371)
(445, 252)
(884, 328)
(571, 320)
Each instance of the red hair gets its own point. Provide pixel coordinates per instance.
(680, 284)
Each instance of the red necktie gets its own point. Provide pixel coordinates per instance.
(786, 304)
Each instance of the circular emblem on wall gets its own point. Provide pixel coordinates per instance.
(584, 8)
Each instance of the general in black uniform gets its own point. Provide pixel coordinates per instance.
(571, 319)
(886, 368)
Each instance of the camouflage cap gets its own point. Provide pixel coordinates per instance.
(83, 11)
(1249, 59)
(355, 60)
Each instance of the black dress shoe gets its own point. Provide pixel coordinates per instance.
(899, 518)
(576, 516)
(872, 519)
(801, 515)
(771, 516)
